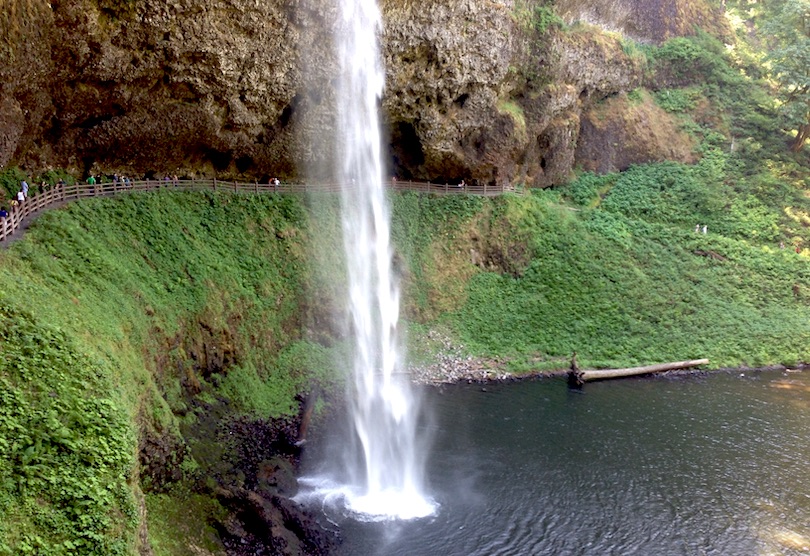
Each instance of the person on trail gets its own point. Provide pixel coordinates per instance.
(24, 185)
(3, 213)
(20, 196)
(91, 180)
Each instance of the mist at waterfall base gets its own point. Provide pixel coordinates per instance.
(378, 474)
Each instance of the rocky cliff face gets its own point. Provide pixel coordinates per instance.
(646, 21)
(630, 129)
(242, 88)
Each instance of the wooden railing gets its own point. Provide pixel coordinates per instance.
(63, 193)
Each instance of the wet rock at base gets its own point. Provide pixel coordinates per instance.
(259, 525)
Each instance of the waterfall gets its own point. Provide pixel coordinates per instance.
(386, 477)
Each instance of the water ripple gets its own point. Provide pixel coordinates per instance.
(715, 466)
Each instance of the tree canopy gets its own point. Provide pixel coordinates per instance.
(788, 34)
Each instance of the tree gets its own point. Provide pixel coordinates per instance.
(788, 33)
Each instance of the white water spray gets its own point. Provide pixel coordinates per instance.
(383, 406)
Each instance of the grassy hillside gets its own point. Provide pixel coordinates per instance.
(114, 317)
(135, 318)
(552, 278)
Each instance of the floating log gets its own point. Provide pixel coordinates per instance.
(578, 377)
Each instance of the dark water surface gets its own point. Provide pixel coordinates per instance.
(697, 465)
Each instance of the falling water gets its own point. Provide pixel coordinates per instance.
(387, 483)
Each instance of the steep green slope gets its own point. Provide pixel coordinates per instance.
(541, 278)
(133, 320)
(114, 317)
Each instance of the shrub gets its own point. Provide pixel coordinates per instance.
(677, 100)
(10, 181)
(693, 60)
(748, 218)
(544, 19)
(52, 177)
(586, 189)
(666, 192)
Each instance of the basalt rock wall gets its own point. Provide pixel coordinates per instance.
(244, 88)
(647, 21)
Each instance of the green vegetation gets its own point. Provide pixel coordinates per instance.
(65, 444)
(678, 100)
(539, 17)
(106, 308)
(151, 315)
(171, 530)
(787, 29)
(52, 177)
(621, 290)
(544, 18)
(107, 304)
(631, 48)
(10, 183)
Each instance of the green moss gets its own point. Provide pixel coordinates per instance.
(180, 523)
(515, 112)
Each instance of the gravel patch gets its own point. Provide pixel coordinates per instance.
(452, 365)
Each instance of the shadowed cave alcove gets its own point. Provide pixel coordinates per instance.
(407, 154)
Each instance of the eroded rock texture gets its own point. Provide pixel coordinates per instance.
(476, 90)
